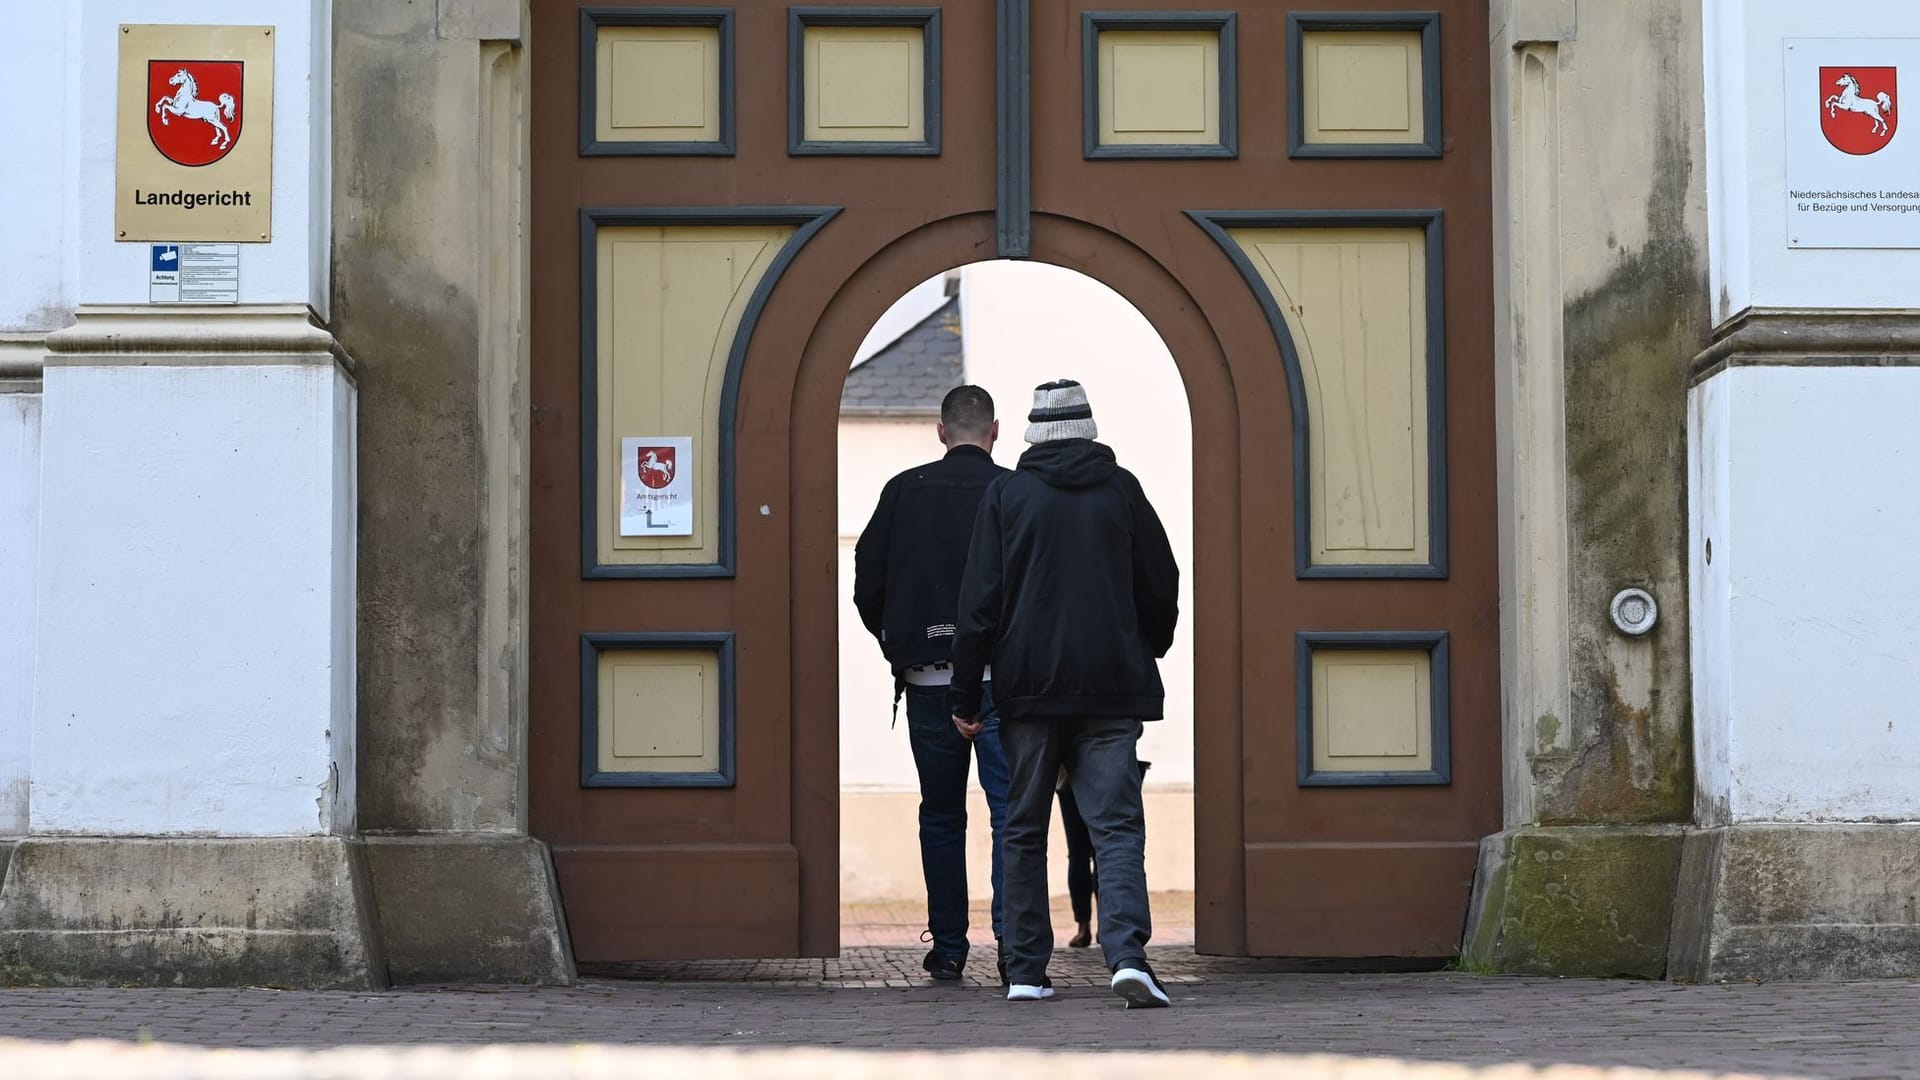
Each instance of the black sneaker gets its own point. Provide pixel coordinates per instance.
(1135, 981)
(943, 967)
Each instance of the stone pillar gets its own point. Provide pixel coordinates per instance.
(1804, 503)
(430, 296)
(192, 725)
(1600, 279)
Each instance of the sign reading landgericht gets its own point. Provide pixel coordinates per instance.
(192, 200)
(194, 154)
(1853, 177)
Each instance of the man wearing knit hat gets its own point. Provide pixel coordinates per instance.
(1071, 592)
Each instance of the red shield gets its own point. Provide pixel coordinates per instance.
(194, 108)
(656, 466)
(1857, 106)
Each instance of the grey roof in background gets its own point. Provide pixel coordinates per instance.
(912, 375)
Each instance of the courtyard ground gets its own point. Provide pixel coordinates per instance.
(871, 1013)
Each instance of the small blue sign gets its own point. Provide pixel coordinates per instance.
(166, 257)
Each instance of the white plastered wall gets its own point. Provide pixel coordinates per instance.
(194, 650)
(36, 295)
(1709, 479)
(291, 269)
(1753, 266)
(1807, 486)
(19, 542)
(192, 623)
(35, 287)
(1804, 485)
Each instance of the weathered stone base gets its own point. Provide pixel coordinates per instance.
(215, 911)
(469, 908)
(1770, 901)
(1578, 900)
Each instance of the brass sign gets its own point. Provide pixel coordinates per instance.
(194, 154)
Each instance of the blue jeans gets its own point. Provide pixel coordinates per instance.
(942, 756)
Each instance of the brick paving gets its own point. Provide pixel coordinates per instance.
(1456, 1021)
(873, 968)
(900, 922)
(871, 1010)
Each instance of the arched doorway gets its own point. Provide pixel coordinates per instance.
(1079, 247)
(710, 289)
(1005, 326)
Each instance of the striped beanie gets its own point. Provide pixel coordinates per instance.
(1060, 411)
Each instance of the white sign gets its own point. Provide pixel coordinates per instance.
(656, 486)
(194, 274)
(1853, 176)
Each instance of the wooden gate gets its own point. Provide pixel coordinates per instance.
(727, 198)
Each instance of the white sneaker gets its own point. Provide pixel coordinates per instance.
(1140, 988)
(1026, 992)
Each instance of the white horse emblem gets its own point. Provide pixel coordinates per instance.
(654, 471)
(1849, 99)
(186, 104)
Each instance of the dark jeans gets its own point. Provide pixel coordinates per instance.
(1080, 877)
(1105, 777)
(1080, 886)
(942, 756)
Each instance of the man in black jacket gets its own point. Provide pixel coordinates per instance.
(1072, 592)
(906, 583)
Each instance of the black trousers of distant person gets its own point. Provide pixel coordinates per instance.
(1082, 881)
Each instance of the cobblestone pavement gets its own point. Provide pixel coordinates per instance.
(887, 923)
(1449, 1019)
(872, 968)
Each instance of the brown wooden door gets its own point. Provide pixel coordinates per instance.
(727, 199)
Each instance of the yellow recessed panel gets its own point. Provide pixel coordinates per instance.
(1361, 86)
(1372, 710)
(865, 84)
(670, 300)
(659, 711)
(657, 84)
(1355, 307)
(1159, 87)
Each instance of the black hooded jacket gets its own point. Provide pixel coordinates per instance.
(906, 567)
(1071, 591)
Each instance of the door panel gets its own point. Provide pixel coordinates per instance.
(681, 902)
(1360, 356)
(1296, 197)
(1344, 899)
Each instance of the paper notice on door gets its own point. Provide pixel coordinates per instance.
(656, 486)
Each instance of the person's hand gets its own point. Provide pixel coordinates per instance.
(968, 726)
